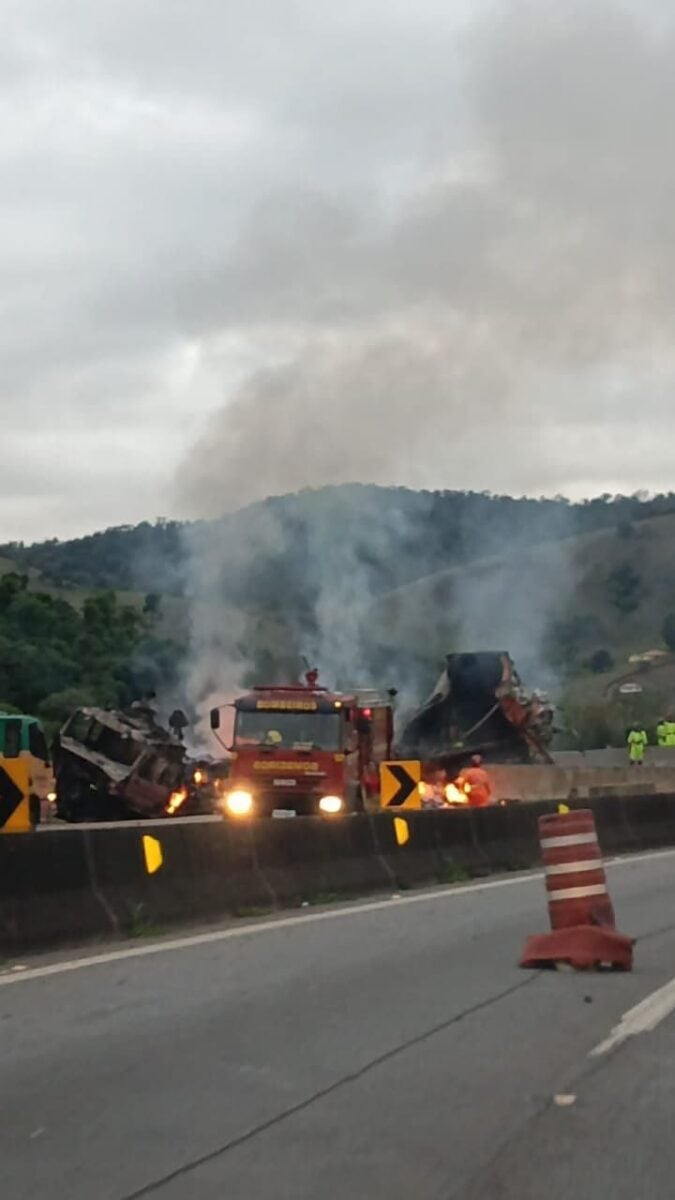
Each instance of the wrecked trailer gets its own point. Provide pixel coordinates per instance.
(479, 706)
(118, 765)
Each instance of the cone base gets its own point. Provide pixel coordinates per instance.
(583, 947)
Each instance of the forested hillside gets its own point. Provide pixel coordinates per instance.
(372, 583)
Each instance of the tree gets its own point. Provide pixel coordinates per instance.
(566, 639)
(668, 631)
(625, 588)
(55, 709)
(600, 661)
(152, 604)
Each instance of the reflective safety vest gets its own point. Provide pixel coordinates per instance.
(637, 742)
(670, 733)
(663, 732)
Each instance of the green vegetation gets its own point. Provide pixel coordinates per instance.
(668, 631)
(625, 588)
(398, 577)
(54, 657)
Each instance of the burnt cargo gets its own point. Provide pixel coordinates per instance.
(479, 705)
(117, 765)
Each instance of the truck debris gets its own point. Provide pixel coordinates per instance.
(118, 765)
(479, 705)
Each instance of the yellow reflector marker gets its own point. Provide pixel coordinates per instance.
(401, 830)
(153, 854)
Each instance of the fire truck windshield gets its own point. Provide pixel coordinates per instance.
(321, 731)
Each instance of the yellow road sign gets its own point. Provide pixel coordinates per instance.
(14, 794)
(399, 784)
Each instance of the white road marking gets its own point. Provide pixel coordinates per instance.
(238, 931)
(643, 1018)
(337, 914)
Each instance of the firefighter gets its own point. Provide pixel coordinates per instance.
(663, 732)
(670, 730)
(637, 742)
(477, 783)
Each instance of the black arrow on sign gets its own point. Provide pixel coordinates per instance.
(406, 786)
(10, 796)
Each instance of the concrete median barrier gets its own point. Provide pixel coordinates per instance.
(354, 863)
(508, 836)
(46, 896)
(409, 845)
(62, 886)
(458, 839)
(651, 819)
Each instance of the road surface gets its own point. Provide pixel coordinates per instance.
(385, 1049)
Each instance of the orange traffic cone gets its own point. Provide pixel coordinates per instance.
(583, 932)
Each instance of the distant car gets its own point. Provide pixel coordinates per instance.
(630, 689)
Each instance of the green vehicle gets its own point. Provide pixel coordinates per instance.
(22, 737)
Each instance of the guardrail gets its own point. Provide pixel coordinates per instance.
(69, 885)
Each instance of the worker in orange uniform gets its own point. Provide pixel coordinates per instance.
(477, 783)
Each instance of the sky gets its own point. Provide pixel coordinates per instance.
(251, 247)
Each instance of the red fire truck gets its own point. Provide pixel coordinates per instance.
(301, 750)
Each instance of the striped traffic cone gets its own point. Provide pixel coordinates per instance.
(583, 932)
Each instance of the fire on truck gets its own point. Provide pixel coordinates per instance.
(303, 750)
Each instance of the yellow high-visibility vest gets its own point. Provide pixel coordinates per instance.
(637, 742)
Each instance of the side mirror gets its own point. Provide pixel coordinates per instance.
(214, 718)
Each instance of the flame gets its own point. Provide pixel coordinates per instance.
(198, 776)
(176, 799)
(455, 795)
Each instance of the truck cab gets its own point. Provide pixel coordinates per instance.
(305, 751)
(112, 766)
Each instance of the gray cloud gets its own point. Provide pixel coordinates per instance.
(283, 245)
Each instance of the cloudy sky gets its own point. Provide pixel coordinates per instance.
(253, 245)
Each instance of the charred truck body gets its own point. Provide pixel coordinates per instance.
(302, 750)
(479, 705)
(116, 766)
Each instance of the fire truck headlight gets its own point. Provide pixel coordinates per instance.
(330, 804)
(238, 803)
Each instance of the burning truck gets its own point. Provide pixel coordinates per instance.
(480, 706)
(119, 765)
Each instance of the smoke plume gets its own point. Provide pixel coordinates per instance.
(498, 320)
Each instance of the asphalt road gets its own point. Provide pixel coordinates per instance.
(390, 1049)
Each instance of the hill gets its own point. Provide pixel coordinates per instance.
(378, 583)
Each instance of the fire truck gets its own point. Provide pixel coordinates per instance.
(302, 750)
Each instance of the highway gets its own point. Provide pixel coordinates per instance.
(388, 1048)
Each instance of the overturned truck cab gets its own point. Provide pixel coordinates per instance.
(479, 705)
(115, 765)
